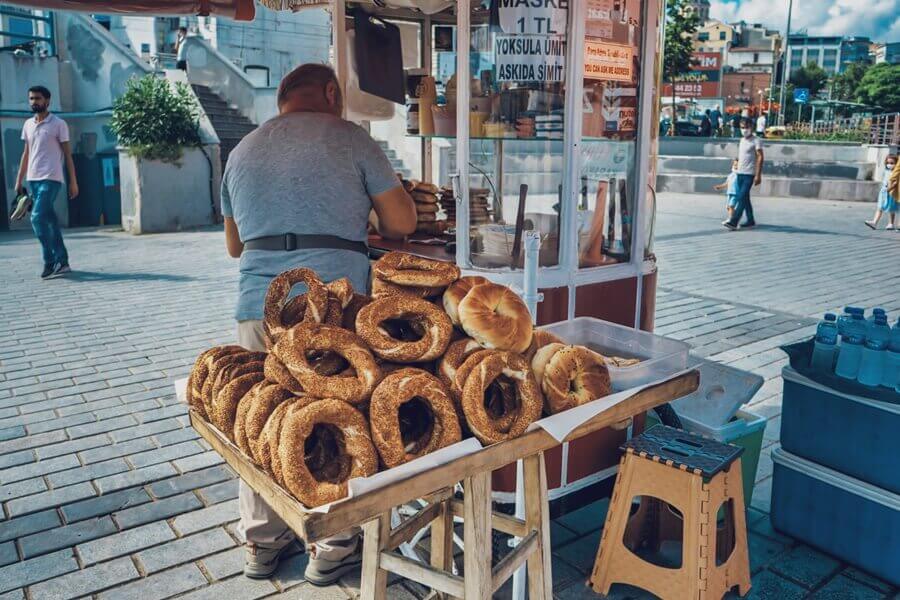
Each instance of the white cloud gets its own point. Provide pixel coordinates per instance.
(878, 19)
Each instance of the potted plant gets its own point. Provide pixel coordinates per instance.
(163, 168)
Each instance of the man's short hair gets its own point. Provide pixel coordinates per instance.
(184, 29)
(39, 89)
(310, 75)
(747, 122)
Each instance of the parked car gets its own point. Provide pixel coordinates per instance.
(687, 128)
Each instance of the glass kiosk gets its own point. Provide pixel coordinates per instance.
(536, 115)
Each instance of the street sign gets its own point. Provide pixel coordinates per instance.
(801, 95)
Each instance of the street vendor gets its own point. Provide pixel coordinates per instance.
(297, 191)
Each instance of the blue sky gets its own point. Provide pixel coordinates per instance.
(878, 19)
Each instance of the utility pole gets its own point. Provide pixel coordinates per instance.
(785, 73)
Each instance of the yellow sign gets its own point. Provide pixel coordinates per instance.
(604, 61)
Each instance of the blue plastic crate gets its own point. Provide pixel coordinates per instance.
(854, 435)
(840, 515)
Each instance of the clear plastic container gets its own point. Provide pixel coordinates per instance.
(723, 390)
(660, 357)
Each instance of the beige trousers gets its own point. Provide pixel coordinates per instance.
(259, 523)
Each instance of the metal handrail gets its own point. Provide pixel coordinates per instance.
(883, 129)
(47, 18)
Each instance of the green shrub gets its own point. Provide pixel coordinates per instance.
(155, 121)
(850, 135)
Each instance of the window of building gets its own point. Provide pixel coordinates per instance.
(703, 36)
(722, 35)
(756, 57)
(24, 26)
(145, 48)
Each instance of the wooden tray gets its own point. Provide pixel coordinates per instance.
(313, 526)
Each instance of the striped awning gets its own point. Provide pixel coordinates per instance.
(240, 10)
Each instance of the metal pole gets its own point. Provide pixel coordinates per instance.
(531, 296)
(530, 293)
(785, 72)
(461, 178)
(339, 39)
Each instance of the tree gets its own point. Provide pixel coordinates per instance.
(880, 86)
(812, 77)
(681, 23)
(844, 86)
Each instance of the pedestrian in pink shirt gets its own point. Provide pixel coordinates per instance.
(46, 139)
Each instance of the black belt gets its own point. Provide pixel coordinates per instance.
(293, 241)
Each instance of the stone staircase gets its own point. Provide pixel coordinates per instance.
(825, 171)
(230, 125)
(396, 162)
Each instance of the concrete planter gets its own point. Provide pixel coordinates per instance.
(159, 197)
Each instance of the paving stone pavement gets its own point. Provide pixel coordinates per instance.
(106, 492)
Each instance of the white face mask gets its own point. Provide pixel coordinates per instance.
(745, 132)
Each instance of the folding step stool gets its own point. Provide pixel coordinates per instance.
(697, 476)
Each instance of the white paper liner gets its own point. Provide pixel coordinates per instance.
(181, 389)
(559, 426)
(363, 485)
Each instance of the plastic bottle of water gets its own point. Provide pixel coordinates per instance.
(851, 347)
(871, 364)
(890, 378)
(845, 318)
(825, 348)
(842, 322)
(876, 312)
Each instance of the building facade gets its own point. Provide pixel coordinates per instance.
(758, 60)
(265, 49)
(714, 36)
(756, 35)
(746, 90)
(888, 53)
(701, 7)
(832, 53)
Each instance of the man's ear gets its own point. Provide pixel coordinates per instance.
(331, 93)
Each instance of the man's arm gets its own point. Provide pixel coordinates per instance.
(396, 213)
(70, 168)
(759, 166)
(233, 242)
(23, 168)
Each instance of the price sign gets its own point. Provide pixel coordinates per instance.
(530, 58)
(537, 17)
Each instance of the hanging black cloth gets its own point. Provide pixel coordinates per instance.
(379, 57)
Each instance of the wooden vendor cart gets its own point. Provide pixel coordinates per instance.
(372, 509)
(537, 116)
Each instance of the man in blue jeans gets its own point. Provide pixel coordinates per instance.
(46, 138)
(749, 174)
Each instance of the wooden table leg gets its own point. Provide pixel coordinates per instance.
(373, 582)
(442, 542)
(537, 518)
(477, 536)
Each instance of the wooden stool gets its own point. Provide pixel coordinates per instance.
(479, 580)
(697, 476)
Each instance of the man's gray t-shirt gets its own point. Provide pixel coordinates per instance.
(304, 173)
(747, 154)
